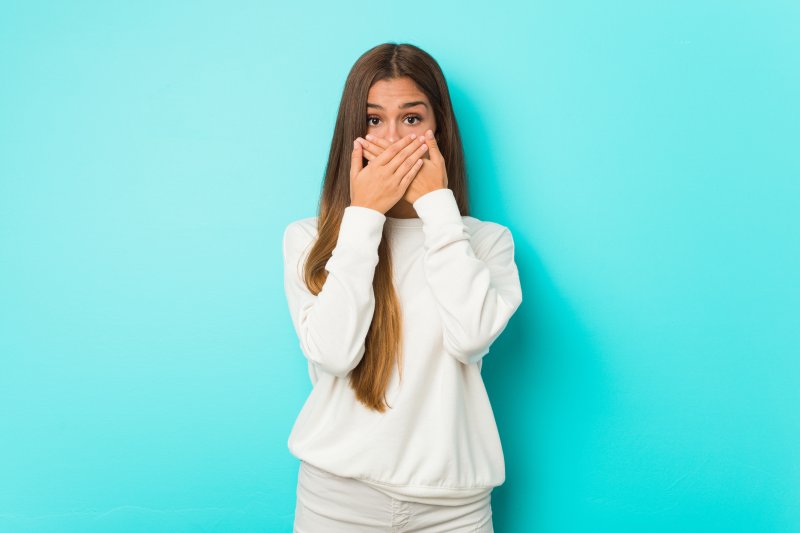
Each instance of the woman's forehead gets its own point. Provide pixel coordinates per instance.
(395, 93)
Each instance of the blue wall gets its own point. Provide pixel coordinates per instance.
(644, 156)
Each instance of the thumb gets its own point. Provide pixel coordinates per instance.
(356, 163)
(433, 146)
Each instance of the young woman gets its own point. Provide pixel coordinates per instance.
(396, 294)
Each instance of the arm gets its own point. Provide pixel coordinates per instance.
(477, 290)
(332, 325)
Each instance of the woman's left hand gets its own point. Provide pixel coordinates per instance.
(432, 175)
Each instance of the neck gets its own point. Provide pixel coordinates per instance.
(402, 209)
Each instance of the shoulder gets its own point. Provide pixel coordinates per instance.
(486, 235)
(299, 233)
(300, 226)
(484, 229)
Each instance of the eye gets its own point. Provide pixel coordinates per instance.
(373, 117)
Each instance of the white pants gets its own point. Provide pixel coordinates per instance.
(327, 503)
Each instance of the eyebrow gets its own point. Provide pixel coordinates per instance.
(402, 106)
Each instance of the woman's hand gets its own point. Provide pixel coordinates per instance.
(385, 179)
(432, 175)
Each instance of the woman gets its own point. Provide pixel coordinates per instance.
(395, 274)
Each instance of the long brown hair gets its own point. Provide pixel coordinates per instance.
(386, 61)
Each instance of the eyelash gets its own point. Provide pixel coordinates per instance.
(419, 119)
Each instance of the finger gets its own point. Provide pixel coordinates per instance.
(369, 155)
(435, 153)
(380, 144)
(370, 148)
(383, 143)
(404, 154)
(427, 154)
(410, 175)
(411, 160)
(393, 150)
(355, 160)
(423, 139)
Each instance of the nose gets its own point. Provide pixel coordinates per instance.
(393, 134)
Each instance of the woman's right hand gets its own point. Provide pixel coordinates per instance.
(381, 183)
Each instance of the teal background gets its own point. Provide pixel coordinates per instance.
(644, 154)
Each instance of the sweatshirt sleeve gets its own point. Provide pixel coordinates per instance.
(476, 284)
(332, 326)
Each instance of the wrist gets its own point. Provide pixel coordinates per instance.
(364, 205)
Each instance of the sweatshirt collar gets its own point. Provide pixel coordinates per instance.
(415, 222)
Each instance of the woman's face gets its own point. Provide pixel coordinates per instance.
(396, 108)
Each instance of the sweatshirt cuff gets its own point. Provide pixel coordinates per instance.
(438, 207)
(361, 227)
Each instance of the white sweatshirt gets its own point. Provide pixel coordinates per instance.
(458, 286)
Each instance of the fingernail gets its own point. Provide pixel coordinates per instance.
(369, 137)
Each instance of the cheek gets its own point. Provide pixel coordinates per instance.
(380, 131)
